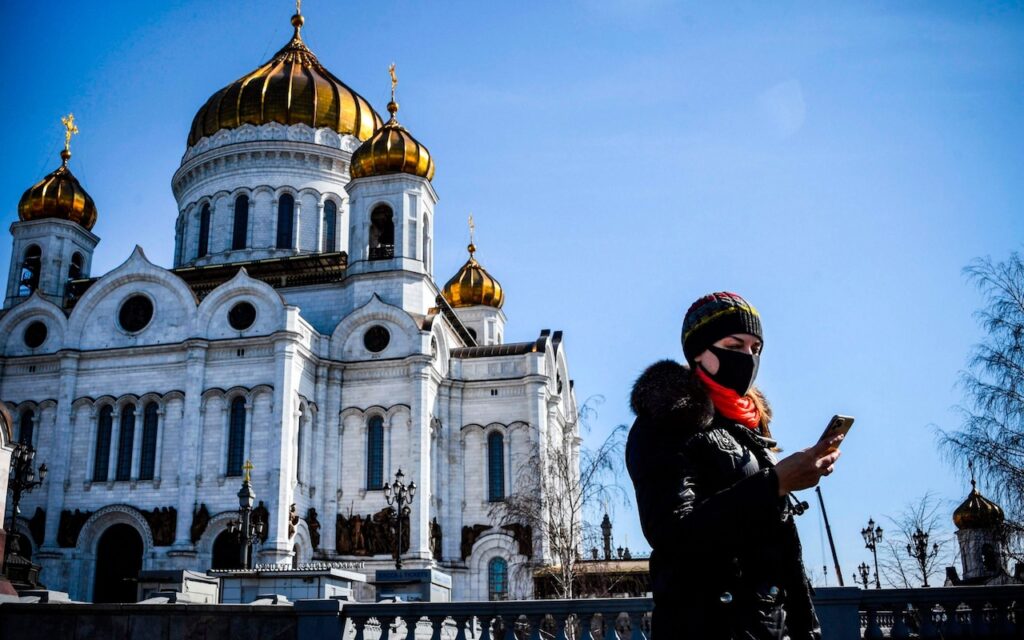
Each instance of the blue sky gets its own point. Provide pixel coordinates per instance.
(837, 165)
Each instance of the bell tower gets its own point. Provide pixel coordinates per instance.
(53, 241)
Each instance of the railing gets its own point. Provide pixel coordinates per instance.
(382, 252)
(604, 619)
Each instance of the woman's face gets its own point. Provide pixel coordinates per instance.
(742, 342)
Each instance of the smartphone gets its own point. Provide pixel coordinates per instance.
(837, 425)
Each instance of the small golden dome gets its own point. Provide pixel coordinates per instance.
(472, 286)
(392, 149)
(58, 195)
(291, 88)
(977, 512)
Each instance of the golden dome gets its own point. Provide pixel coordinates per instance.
(58, 195)
(977, 512)
(291, 88)
(472, 286)
(392, 149)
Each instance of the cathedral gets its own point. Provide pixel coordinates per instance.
(300, 331)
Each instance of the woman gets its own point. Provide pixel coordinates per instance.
(714, 504)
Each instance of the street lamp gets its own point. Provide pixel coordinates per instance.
(919, 551)
(864, 570)
(872, 536)
(22, 480)
(247, 531)
(399, 496)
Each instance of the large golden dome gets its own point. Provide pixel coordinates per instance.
(392, 149)
(977, 512)
(473, 286)
(58, 195)
(291, 88)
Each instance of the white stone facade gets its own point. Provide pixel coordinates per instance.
(303, 371)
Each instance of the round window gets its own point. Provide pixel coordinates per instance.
(376, 338)
(135, 314)
(35, 334)
(241, 316)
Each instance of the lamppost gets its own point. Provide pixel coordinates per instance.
(919, 551)
(399, 496)
(864, 570)
(22, 480)
(248, 532)
(872, 536)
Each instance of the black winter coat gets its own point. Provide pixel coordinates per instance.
(726, 559)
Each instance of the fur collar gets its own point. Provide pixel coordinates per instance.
(667, 389)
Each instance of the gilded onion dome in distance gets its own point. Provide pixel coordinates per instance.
(978, 512)
(59, 195)
(392, 149)
(473, 286)
(291, 88)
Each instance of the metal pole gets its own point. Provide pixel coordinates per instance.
(244, 551)
(874, 551)
(398, 525)
(831, 542)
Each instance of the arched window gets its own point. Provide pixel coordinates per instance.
(26, 426)
(125, 442)
(204, 231)
(150, 419)
(101, 462)
(330, 226)
(30, 267)
(236, 436)
(75, 268)
(241, 226)
(382, 233)
(375, 453)
(497, 579)
(426, 242)
(285, 221)
(495, 467)
(300, 438)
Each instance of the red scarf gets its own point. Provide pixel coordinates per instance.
(740, 409)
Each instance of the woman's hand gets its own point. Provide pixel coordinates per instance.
(803, 469)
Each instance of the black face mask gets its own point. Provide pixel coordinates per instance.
(736, 370)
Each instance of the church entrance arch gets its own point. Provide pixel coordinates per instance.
(227, 552)
(118, 562)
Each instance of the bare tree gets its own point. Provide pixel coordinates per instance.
(992, 433)
(557, 486)
(898, 566)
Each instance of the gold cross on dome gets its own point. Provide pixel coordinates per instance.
(298, 7)
(394, 80)
(248, 467)
(70, 129)
(472, 227)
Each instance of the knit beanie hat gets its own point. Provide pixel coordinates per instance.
(715, 316)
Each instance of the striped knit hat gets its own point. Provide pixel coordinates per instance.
(715, 316)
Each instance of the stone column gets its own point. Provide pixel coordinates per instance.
(278, 492)
(419, 466)
(58, 481)
(137, 442)
(191, 432)
(161, 428)
(332, 462)
(251, 223)
(453, 523)
(297, 224)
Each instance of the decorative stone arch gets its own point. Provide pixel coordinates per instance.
(442, 363)
(304, 543)
(35, 308)
(204, 546)
(377, 310)
(497, 543)
(128, 398)
(262, 188)
(137, 268)
(92, 531)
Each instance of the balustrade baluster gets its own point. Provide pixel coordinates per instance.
(411, 622)
(636, 622)
(981, 619)
(485, 626)
(873, 629)
(900, 629)
(536, 620)
(358, 624)
(385, 626)
(929, 629)
(460, 626)
(1003, 623)
(437, 626)
(611, 625)
(564, 626)
(586, 626)
(510, 627)
(954, 623)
